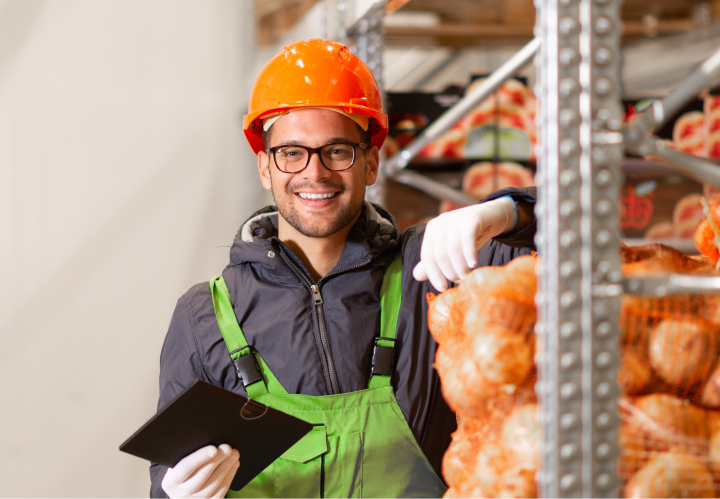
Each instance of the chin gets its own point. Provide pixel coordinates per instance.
(319, 229)
(343, 216)
(318, 232)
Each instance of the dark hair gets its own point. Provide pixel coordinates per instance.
(364, 136)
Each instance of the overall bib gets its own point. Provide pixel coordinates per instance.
(361, 444)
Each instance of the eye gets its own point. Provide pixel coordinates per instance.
(340, 152)
(291, 153)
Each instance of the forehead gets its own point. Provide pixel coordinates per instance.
(313, 127)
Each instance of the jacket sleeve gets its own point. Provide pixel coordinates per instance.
(180, 364)
(524, 238)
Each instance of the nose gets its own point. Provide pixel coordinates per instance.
(315, 170)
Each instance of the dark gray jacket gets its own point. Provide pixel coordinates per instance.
(270, 290)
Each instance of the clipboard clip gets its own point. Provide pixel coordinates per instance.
(253, 410)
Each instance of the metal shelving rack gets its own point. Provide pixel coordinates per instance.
(581, 137)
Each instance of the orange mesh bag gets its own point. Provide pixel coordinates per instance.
(670, 379)
(669, 375)
(671, 474)
(484, 329)
(655, 259)
(661, 422)
(496, 456)
(485, 360)
(495, 362)
(672, 340)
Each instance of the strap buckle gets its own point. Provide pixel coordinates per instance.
(247, 367)
(383, 359)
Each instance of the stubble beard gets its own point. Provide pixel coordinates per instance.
(343, 217)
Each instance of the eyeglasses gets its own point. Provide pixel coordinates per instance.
(334, 157)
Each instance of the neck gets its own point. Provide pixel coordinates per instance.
(319, 254)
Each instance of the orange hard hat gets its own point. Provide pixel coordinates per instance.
(315, 73)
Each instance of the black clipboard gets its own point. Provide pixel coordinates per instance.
(204, 414)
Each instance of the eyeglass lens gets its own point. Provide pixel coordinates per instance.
(292, 159)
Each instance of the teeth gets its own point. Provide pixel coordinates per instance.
(307, 195)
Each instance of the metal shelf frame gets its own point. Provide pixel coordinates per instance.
(366, 36)
(581, 137)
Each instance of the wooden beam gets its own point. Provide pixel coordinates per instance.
(461, 30)
(269, 7)
(458, 43)
(274, 17)
(664, 27)
(525, 31)
(520, 12)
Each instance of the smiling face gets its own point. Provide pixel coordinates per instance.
(318, 202)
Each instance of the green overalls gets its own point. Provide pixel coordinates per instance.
(360, 445)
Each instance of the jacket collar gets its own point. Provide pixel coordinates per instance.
(374, 233)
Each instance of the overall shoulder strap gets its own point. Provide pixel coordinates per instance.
(250, 366)
(383, 360)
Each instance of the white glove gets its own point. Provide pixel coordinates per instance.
(207, 472)
(452, 240)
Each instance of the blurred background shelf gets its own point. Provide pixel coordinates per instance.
(687, 246)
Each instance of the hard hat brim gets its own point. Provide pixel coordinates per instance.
(252, 122)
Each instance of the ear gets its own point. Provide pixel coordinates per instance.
(264, 169)
(373, 163)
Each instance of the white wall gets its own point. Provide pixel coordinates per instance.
(123, 177)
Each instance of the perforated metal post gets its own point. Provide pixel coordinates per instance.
(368, 44)
(579, 123)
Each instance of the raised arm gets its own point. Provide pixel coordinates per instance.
(452, 240)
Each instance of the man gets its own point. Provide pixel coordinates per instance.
(305, 281)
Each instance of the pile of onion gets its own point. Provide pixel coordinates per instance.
(485, 359)
(669, 377)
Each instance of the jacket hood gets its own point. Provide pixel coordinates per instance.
(374, 233)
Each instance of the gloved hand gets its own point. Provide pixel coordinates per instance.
(207, 472)
(451, 241)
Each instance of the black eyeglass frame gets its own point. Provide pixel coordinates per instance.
(317, 150)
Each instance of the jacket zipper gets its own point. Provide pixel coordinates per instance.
(317, 298)
(318, 301)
